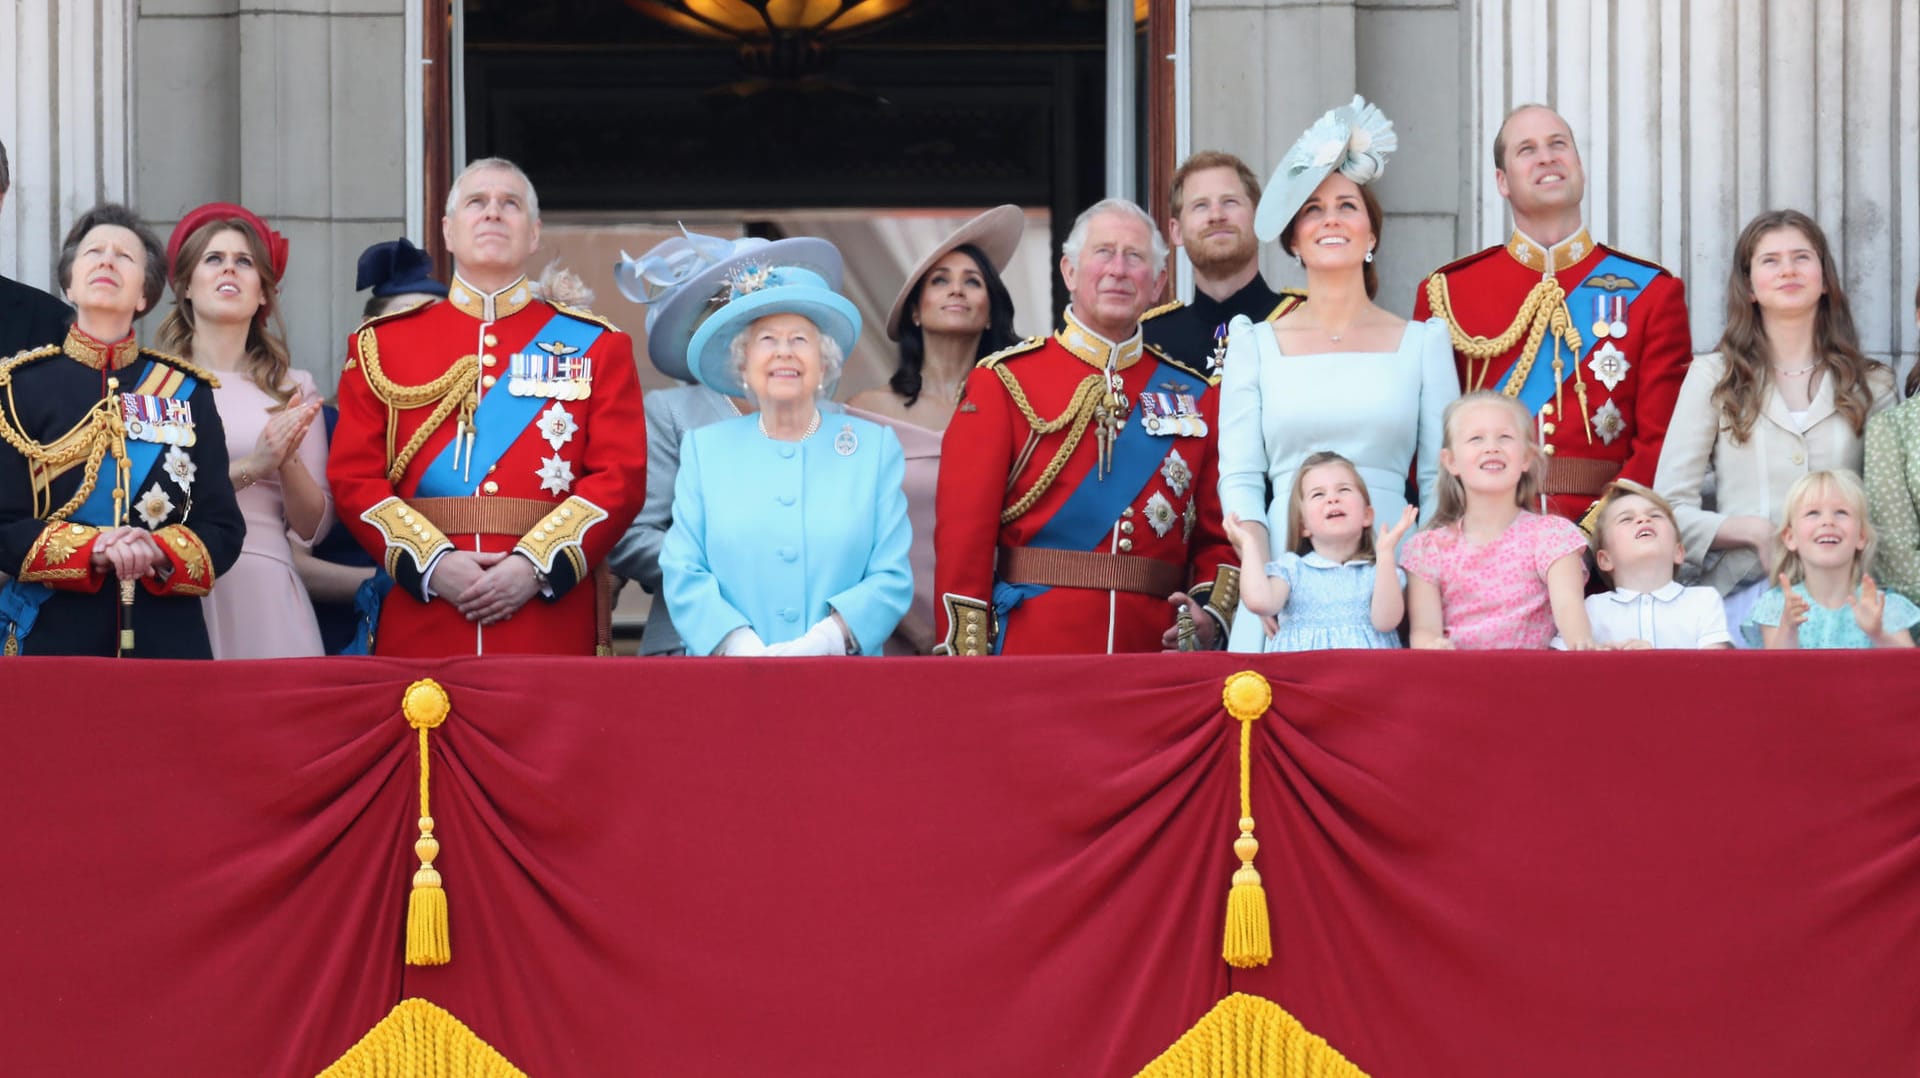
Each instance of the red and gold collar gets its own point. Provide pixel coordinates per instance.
(1563, 255)
(490, 307)
(1095, 350)
(99, 355)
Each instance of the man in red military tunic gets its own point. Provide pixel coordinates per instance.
(1593, 341)
(1078, 507)
(491, 447)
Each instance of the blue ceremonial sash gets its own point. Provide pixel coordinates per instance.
(20, 602)
(500, 419)
(1540, 385)
(1089, 512)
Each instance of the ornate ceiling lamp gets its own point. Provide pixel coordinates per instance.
(778, 38)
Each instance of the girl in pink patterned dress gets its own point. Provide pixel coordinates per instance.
(1487, 573)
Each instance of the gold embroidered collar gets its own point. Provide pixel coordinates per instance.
(490, 307)
(1563, 255)
(1095, 350)
(100, 356)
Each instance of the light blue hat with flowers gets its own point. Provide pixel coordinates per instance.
(757, 290)
(1354, 139)
(683, 279)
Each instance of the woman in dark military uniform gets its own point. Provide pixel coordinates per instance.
(116, 512)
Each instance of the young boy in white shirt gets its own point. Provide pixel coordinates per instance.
(1637, 545)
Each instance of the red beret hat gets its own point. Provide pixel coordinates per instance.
(224, 211)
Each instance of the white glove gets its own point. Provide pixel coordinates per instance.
(825, 638)
(743, 641)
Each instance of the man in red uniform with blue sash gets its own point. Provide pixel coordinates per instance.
(491, 447)
(1594, 342)
(1079, 503)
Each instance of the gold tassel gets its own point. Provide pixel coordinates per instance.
(1247, 1036)
(417, 1038)
(1249, 939)
(426, 707)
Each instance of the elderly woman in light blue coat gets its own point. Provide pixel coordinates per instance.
(790, 533)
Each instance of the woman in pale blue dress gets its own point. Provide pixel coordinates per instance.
(1338, 372)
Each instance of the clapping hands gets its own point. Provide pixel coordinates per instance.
(280, 439)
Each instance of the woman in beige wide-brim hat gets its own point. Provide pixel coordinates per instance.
(952, 312)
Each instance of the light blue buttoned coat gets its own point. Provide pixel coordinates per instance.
(770, 535)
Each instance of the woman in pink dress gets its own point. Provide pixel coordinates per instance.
(225, 266)
(952, 312)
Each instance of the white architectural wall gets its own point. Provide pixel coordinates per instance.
(64, 93)
(1692, 115)
(293, 108)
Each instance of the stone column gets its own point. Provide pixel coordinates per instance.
(63, 115)
(293, 108)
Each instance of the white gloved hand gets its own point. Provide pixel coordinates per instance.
(825, 638)
(743, 641)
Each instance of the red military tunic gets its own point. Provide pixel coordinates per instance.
(565, 488)
(1168, 533)
(1617, 429)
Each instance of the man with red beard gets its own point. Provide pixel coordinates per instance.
(1594, 342)
(1214, 195)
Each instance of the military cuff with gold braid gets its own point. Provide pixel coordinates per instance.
(971, 627)
(1220, 598)
(554, 544)
(413, 542)
(62, 558)
(191, 572)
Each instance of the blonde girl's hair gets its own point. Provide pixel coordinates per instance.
(1813, 484)
(1450, 495)
(267, 361)
(1297, 540)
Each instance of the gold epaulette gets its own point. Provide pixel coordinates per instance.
(1290, 298)
(389, 316)
(205, 375)
(1155, 312)
(1188, 368)
(1004, 354)
(584, 315)
(28, 356)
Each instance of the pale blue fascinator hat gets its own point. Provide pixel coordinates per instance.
(684, 279)
(756, 290)
(1355, 139)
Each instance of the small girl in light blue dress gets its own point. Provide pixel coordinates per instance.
(1336, 586)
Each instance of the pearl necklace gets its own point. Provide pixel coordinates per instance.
(1796, 372)
(812, 427)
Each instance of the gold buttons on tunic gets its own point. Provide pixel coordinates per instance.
(488, 361)
(1126, 544)
(1126, 527)
(487, 382)
(491, 341)
(490, 487)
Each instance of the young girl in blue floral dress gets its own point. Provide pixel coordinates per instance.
(1822, 597)
(1336, 585)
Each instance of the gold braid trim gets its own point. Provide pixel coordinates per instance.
(442, 393)
(98, 432)
(1079, 412)
(1545, 308)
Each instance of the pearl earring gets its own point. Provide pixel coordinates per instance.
(1369, 256)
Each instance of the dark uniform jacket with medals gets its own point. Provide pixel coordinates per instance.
(69, 413)
(1196, 333)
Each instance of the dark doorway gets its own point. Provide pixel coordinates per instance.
(950, 103)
